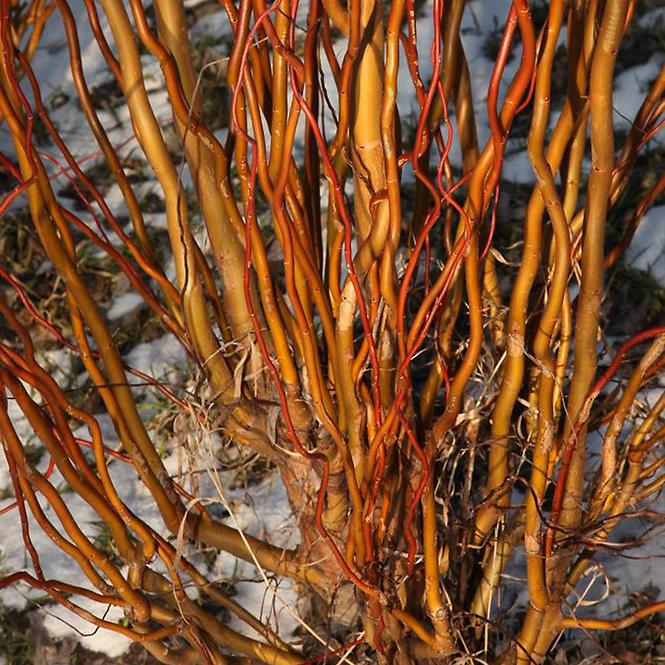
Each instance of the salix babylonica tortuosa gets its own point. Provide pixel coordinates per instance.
(428, 402)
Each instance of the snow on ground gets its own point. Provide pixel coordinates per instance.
(61, 623)
(647, 250)
(260, 510)
(123, 305)
(630, 88)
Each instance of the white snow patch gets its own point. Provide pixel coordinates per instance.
(652, 19)
(124, 305)
(647, 249)
(607, 588)
(517, 168)
(61, 622)
(273, 606)
(55, 563)
(27, 436)
(630, 88)
(262, 511)
(158, 358)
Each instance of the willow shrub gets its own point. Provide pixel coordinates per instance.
(423, 371)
